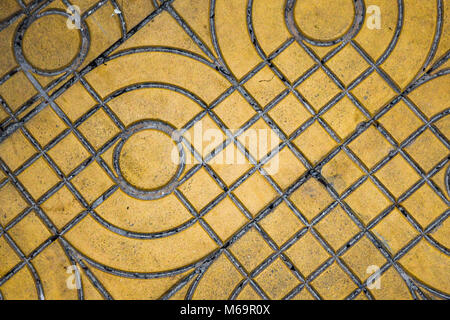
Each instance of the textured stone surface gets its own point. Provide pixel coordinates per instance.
(353, 97)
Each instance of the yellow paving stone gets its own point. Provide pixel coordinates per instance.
(400, 130)
(219, 280)
(427, 150)
(69, 153)
(277, 280)
(259, 139)
(397, 175)
(348, 64)
(371, 147)
(255, 193)
(334, 283)
(344, 117)
(136, 215)
(307, 254)
(285, 168)
(38, 178)
(230, 164)
(225, 219)
(29, 233)
(15, 150)
(311, 198)
(9, 257)
(75, 101)
(92, 182)
(395, 231)
(318, 89)
(200, 189)
(251, 250)
(392, 287)
(361, 258)
(315, 142)
(281, 224)
(45, 126)
(341, 172)
(373, 93)
(20, 287)
(264, 86)
(12, 201)
(8, 90)
(294, 53)
(303, 295)
(425, 205)
(62, 207)
(52, 259)
(337, 228)
(337, 93)
(289, 114)
(367, 201)
(234, 111)
(248, 293)
(98, 129)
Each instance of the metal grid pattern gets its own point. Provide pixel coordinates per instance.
(69, 76)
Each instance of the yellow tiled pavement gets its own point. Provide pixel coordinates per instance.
(353, 98)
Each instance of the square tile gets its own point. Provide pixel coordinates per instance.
(225, 219)
(38, 178)
(367, 201)
(8, 257)
(264, 86)
(361, 257)
(427, 150)
(251, 250)
(259, 139)
(230, 164)
(29, 233)
(341, 172)
(318, 89)
(285, 168)
(255, 193)
(337, 228)
(12, 202)
(307, 254)
(344, 117)
(400, 122)
(425, 205)
(289, 114)
(9, 90)
(45, 126)
(75, 101)
(374, 93)
(205, 136)
(62, 207)
(394, 231)
(281, 224)
(92, 182)
(347, 64)
(200, 189)
(311, 198)
(315, 143)
(293, 62)
(397, 175)
(334, 283)
(277, 280)
(15, 150)
(69, 153)
(234, 111)
(98, 129)
(371, 147)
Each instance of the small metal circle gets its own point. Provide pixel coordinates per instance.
(173, 182)
(75, 63)
(300, 36)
